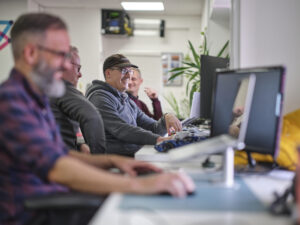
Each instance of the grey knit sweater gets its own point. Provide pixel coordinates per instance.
(73, 110)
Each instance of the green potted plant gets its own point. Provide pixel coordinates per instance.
(180, 109)
(191, 71)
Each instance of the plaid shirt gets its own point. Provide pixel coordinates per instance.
(30, 144)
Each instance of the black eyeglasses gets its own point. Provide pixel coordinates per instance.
(78, 66)
(64, 55)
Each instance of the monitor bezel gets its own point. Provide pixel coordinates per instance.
(275, 151)
(208, 61)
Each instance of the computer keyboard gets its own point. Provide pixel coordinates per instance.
(194, 121)
(187, 136)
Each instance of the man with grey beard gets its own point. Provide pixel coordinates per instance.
(33, 157)
(42, 76)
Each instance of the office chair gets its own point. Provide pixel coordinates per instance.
(63, 208)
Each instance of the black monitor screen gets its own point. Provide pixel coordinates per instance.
(265, 115)
(209, 64)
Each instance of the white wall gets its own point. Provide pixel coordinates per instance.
(218, 30)
(84, 30)
(205, 14)
(9, 10)
(269, 35)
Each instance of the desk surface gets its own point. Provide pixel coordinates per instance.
(148, 153)
(145, 210)
(112, 214)
(262, 186)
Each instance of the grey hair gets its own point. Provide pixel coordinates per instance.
(31, 27)
(74, 52)
(138, 70)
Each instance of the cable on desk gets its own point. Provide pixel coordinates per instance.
(281, 206)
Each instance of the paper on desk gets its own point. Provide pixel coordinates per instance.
(195, 110)
(282, 174)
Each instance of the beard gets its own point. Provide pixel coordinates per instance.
(43, 77)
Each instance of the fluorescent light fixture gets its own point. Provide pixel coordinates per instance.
(143, 6)
(146, 24)
(147, 21)
(145, 33)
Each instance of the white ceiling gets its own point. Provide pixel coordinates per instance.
(172, 7)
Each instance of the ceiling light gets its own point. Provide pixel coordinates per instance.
(147, 21)
(143, 6)
(146, 33)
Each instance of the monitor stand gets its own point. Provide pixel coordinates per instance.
(253, 167)
(223, 176)
(208, 163)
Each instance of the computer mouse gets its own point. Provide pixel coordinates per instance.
(165, 193)
(146, 173)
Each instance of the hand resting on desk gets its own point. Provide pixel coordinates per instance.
(177, 184)
(132, 167)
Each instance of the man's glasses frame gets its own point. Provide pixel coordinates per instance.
(64, 55)
(124, 70)
(78, 66)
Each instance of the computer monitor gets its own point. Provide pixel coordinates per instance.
(234, 136)
(266, 112)
(209, 64)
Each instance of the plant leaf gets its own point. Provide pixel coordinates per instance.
(205, 51)
(195, 55)
(175, 75)
(178, 69)
(191, 64)
(192, 79)
(173, 103)
(223, 48)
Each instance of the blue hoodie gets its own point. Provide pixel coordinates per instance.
(127, 128)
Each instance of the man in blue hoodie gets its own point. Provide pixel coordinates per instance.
(127, 128)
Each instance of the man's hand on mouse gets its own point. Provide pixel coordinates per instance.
(178, 184)
(130, 166)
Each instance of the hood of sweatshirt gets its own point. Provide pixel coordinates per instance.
(98, 85)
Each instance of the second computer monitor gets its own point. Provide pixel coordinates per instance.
(266, 112)
(209, 64)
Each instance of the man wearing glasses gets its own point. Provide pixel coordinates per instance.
(73, 110)
(33, 157)
(127, 128)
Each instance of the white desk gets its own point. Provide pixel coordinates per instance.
(149, 154)
(262, 187)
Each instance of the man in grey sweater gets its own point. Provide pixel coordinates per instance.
(73, 110)
(127, 128)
